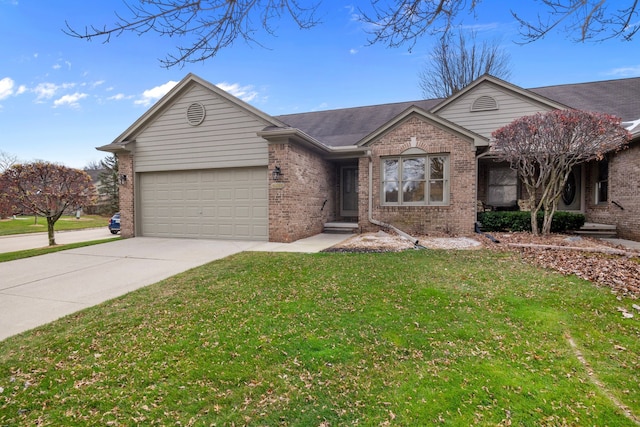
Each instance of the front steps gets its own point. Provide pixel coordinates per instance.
(591, 229)
(341, 227)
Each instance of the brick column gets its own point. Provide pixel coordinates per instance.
(126, 195)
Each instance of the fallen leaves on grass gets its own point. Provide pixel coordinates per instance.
(618, 272)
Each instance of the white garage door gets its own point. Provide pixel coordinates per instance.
(206, 204)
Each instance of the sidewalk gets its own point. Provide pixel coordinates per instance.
(628, 244)
(21, 242)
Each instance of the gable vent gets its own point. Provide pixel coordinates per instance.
(484, 103)
(195, 114)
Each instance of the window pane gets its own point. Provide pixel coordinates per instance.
(436, 191)
(503, 186)
(390, 170)
(437, 168)
(390, 192)
(602, 192)
(603, 170)
(390, 180)
(413, 169)
(602, 186)
(413, 191)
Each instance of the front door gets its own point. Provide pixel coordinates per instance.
(572, 193)
(349, 191)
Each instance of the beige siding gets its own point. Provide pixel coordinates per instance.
(510, 107)
(226, 138)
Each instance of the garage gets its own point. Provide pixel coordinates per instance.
(227, 203)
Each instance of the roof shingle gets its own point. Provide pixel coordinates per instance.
(347, 126)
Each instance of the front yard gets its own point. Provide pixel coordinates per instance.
(410, 338)
(31, 224)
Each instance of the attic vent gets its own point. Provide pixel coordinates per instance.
(195, 114)
(484, 103)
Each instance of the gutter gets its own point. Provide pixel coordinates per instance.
(384, 224)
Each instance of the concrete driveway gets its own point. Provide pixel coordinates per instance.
(38, 290)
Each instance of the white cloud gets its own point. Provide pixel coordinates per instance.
(151, 95)
(631, 71)
(57, 66)
(353, 51)
(118, 97)
(6, 87)
(48, 90)
(70, 100)
(245, 93)
(21, 89)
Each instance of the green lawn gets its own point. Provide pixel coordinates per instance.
(28, 253)
(27, 224)
(416, 338)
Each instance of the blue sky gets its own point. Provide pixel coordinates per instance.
(61, 97)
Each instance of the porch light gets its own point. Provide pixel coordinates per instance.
(277, 173)
(122, 179)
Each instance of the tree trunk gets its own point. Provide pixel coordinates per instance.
(546, 222)
(534, 213)
(51, 221)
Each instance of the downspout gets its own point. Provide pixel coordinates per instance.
(384, 224)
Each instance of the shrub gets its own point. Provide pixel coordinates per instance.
(521, 221)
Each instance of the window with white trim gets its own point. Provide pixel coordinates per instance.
(415, 180)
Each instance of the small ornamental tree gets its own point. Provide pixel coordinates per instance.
(47, 189)
(543, 149)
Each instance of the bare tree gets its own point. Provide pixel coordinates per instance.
(7, 160)
(584, 20)
(211, 25)
(47, 190)
(405, 21)
(454, 64)
(543, 149)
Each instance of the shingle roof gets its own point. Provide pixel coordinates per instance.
(618, 97)
(349, 125)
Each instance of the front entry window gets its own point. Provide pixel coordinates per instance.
(415, 180)
(503, 187)
(349, 191)
(602, 182)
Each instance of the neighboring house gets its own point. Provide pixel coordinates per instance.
(201, 163)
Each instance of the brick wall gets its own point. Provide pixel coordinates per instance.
(127, 194)
(297, 207)
(456, 218)
(624, 189)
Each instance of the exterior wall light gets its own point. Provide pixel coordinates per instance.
(123, 179)
(277, 173)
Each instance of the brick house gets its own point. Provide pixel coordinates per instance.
(201, 163)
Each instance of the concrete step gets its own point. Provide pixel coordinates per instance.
(591, 229)
(341, 227)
